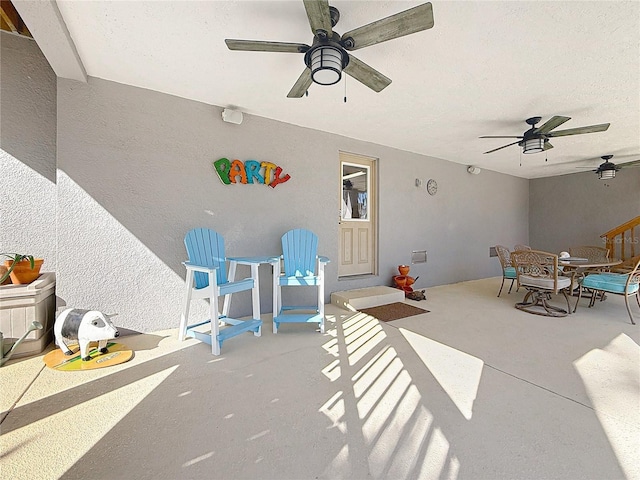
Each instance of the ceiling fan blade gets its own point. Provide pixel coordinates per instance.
(577, 131)
(547, 146)
(552, 123)
(501, 136)
(318, 15)
(366, 75)
(263, 46)
(404, 23)
(500, 148)
(635, 163)
(302, 85)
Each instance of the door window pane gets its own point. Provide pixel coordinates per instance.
(355, 189)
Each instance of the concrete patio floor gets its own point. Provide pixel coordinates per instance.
(475, 389)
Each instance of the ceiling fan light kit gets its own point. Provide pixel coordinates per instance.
(534, 145)
(606, 174)
(326, 64)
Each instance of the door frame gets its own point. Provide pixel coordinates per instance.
(372, 200)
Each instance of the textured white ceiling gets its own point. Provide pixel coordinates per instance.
(481, 70)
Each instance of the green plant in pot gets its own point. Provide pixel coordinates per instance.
(21, 268)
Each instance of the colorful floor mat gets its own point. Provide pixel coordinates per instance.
(117, 353)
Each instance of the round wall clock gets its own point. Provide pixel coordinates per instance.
(432, 186)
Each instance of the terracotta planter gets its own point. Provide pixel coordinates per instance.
(4, 270)
(410, 281)
(22, 272)
(403, 269)
(400, 280)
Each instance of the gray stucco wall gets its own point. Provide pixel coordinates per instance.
(573, 210)
(27, 150)
(135, 173)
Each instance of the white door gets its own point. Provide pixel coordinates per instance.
(357, 215)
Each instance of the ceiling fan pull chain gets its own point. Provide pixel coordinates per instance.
(345, 89)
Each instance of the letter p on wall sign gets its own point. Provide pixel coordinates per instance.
(251, 171)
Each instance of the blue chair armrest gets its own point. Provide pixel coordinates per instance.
(199, 268)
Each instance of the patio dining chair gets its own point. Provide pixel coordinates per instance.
(590, 252)
(625, 284)
(520, 247)
(207, 278)
(508, 271)
(538, 273)
(303, 267)
(593, 254)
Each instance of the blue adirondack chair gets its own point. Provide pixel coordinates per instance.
(303, 267)
(207, 278)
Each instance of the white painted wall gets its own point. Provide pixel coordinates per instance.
(27, 151)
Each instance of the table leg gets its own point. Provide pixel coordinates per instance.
(255, 292)
(226, 304)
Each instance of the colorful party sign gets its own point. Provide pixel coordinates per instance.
(250, 171)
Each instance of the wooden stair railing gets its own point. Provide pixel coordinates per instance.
(623, 242)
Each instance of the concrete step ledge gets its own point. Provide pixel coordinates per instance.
(366, 297)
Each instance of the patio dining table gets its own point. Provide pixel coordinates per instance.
(581, 265)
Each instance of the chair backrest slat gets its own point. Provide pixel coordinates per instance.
(591, 252)
(206, 247)
(537, 264)
(300, 252)
(503, 255)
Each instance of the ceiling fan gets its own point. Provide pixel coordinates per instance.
(327, 56)
(607, 169)
(536, 139)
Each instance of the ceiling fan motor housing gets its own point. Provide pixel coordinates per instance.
(608, 166)
(335, 16)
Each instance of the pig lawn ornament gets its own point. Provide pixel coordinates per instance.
(85, 326)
